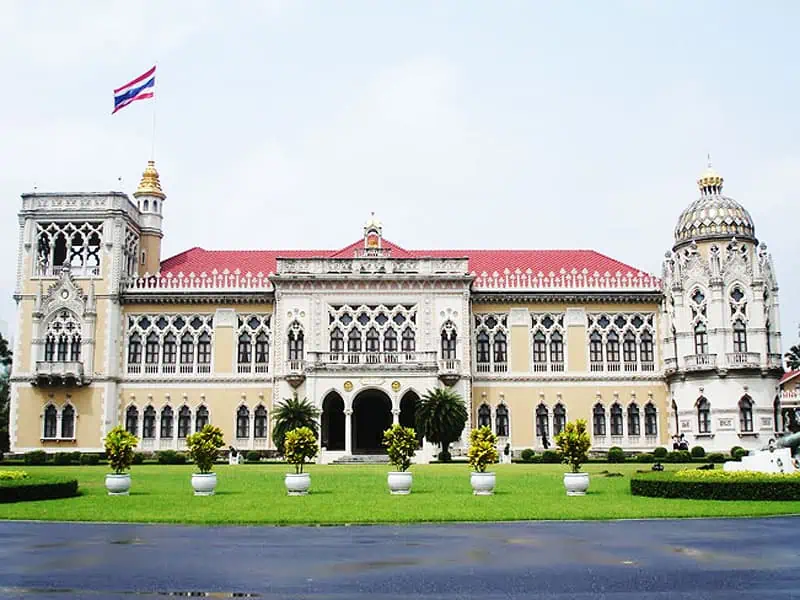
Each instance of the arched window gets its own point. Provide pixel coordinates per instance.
(170, 350)
(700, 339)
(262, 350)
(50, 348)
(132, 420)
(703, 415)
(646, 348)
(204, 349)
(63, 338)
(500, 348)
(556, 348)
(482, 348)
(296, 342)
(501, 420)
(75, 348)
(449, 341)
(184, 422)
(484, 416)
(260, 423)
(746, 414)
(542, 421)
(634, 421)
(243, 423)
(149, 423)
(245, 351)
(187, 350)
(354, 340)
(650, 419)
(337, 340)
(68, 422)
(50, 420)
(373, 340)
(166, 422)
(739, 336)
(151, 349)
(539, 349)
(61, 348)
(390, 341)
(596, 350)
(612, 348)
(559, 418)
(629, 349)
(200, 418)
(599, 419)
(408, 341)
(616, 419)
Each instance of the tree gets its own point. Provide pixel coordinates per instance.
(5, 371)
(290, 414)
(441, 416)
(793, 357)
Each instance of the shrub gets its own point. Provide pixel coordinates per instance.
(62, 458)
(615, 455)
(550, 457)
(573, 444)
(35, 457)
(678, 456)
(717, 485)
(170, 457)
(445, 456)
(37, 488)
(527, 455)
(120, 445)
(138, 458)
(252, 456)
(401, 445)
(716, 457)
(698, 452)
(204, 447)
(660, 453)
(645, 458)
(12, 475)
(75, 457)
(737, 452)
(482, 449)
(300, 446)
(90, 459)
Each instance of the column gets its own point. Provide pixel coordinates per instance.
(395, 416)
(348, 431)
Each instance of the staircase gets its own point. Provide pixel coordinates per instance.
(362, 459)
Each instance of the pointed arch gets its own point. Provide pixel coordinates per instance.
(50, 422)
(501, 420)
(484, 416)
(746, 414)
(242, 422)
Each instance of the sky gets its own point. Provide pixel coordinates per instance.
(461, 124)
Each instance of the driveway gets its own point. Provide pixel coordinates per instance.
(726, 559)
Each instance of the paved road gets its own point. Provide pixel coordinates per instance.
(709, 559)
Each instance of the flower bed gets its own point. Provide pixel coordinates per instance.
(716, 485)
(18, 486)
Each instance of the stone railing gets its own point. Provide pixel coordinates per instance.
(566, 280)
(774, 361)
(58, 373)
(371, 359)
(372, 265)
(224, 280)
(695, 362)
(743, 359)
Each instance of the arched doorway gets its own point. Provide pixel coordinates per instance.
(408, 412)
(372, 415)
(333, 422)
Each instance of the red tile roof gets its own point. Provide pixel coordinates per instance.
(788, 376)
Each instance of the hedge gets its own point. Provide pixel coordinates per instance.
(716, 485)
(38, 487)
(615, 455)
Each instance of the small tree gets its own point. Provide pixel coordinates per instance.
(300, 446)
(482, 449)
(293, 413)
(573, 444)
(401, 445)
(204, 447)
(440, 417)
(793, 357)
(120, 449)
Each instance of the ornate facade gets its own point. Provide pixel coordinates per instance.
(109, 333)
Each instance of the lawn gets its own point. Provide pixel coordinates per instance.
(254, 494)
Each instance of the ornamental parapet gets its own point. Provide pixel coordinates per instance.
(566, 280)
(217, 281)
(372, 265)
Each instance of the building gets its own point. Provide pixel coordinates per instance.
(110, 333)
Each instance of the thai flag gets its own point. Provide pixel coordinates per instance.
(141, 88)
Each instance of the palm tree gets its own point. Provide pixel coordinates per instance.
(793, 357)
(290, 414)
(441, 416)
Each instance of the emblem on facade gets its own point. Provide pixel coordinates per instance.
(396, 386)
(348, 386)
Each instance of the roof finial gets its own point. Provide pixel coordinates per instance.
(150, 185)
(710, 182)
(708, 156)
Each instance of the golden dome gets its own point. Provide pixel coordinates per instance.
(150, 184)
(710, 181)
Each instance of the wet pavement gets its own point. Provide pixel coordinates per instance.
(710, 559)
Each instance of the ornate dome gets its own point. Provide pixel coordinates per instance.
(713, 216)
(150, 185)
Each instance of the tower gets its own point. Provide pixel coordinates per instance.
(150, 200)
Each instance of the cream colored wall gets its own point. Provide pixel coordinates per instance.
(520, 349)
(577, 344)
(22, 361)
(223, 349)
(88, 403)
(151, 246)
(792, 385)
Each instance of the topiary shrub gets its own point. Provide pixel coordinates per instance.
(717, 485)
(39, 487)
(527, 455)
(120, 447)
(138, 458)
(698, 452)
(252, 456)
(482, 449)
(615, 455)
(679, 456)
(645, 458)
(660, 452)
(90, 459)
(550, 457)
(170, 457)
(573, 444)
(300, 446)
(738, 452)
(62, 458)
(204, 447)
(35, 457)
(401, 445)
(716, 457)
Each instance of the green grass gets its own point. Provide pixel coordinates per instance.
(255, 494)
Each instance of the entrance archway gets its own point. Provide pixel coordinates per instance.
(333, 422)
(372, 415)
(408, 412)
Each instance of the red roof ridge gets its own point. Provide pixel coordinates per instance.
(788, 375)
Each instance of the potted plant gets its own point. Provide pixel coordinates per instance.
(401, 445)
(300, 446)
(573, 447)
(120, 445)
(482, 453)
(203, 448)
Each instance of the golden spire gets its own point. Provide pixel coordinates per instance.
(710, 182)
(150, 184)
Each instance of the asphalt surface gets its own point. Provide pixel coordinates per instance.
(709, 559)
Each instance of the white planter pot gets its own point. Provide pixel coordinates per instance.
(118, 485)
(204, 484)
(400, 482)
(297, 484)
(482, 483)
(576, 483)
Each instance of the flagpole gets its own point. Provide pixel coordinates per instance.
(153, 134)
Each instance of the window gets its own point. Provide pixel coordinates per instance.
(408, 341)
(616, 419)
(501, 421)
(650, 419)
(337, 340)
(746, 414)
(262, 349)
(260, 423)
(559, 418)
(482, 348)
(75, 348)
(539, 348)
(599, 420)
(184, 422)
(50, 348)
(151, 349)
(204, 349)
(169, 353)
(634, 421)
(596, 348)
(449, 341)
(245, 353)
(542, 421)
(169, 340)
(703, 415)
(556, 348)
(612, 347)
(187, 349)
(373, 340)
(484, 416)
(50, 420)
(739, 336)
(149, 423)
(74, 245)
(132, 420)
(390, 341)
(354, 340)
(700, 339)
(243, 423)
(63, 342)
(166, 422)
(200, 418)
(646, 348)
(68, 422)
(500, 347)
(296, 341)
(629, 347)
